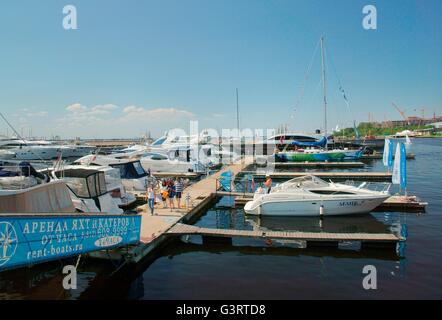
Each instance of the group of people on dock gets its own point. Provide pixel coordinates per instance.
(169, 190)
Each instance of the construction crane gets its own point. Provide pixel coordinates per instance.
(400, 111)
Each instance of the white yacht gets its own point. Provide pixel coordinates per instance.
(21, 149)
(311, 196)
(88, 191)
(23, 190)
(114, 185)
(132, 174)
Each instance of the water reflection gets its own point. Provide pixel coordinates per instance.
(349, 224)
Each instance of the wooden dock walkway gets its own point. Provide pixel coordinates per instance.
(154, 227)
(318, 164)
(377, 156)
(157, 229)
(184, 229)
(366, 176)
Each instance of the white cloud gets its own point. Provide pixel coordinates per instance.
(105, 107)
(76, 108)
(109, 120)
(37, 114)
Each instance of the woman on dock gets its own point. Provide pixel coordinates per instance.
(151, 199)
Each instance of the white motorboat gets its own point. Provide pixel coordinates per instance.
(132, 174)
(311, 196)
(88, 191)
(23, 190)
(113, 182)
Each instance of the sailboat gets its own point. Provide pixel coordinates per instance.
(309, 150)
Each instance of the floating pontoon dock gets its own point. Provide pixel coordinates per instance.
(377, 156)
(366, 176)
(394, 203)
(312, 238)
(165, 225)
(313, 164)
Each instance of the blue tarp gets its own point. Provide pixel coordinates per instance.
(320, 143)
(226, 180)
(27, 240)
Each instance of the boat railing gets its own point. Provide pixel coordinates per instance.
(372, 186)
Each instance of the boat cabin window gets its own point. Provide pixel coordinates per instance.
(158, 157)
(130, 170)
(84, 183)
(331, 192)
(182, 155)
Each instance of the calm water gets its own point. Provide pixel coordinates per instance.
(253, 269)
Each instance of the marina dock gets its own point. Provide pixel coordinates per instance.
(394, 203)
(366, 176)
(311, 238)
(314, 164)
(165, 225)
(378, 156)
(154, 227)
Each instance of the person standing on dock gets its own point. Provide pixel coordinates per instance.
(179, 191)
(164, 193)
(268, 183)
(171, 191)
(151, 198)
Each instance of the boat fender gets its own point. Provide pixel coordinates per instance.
(321, 210)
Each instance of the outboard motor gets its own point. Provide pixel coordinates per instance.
(28, 170)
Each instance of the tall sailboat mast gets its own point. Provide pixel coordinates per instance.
(324, 87)
(237, 110)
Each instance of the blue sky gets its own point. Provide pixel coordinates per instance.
(134, 65)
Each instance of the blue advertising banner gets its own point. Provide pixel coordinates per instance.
(30, 239)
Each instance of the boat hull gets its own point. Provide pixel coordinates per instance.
(312, 207)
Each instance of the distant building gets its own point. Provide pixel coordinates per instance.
(416, 121)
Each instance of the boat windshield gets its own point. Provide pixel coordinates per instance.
(303, 182)
(87, 187)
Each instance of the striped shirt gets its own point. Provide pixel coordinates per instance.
(179, 187)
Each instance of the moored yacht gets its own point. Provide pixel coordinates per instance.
(132, 174)
(24, 190)
(311, 196)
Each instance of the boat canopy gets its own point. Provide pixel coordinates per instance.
(320, 143)
(130, 170)
(42, 198)
(84, 183)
